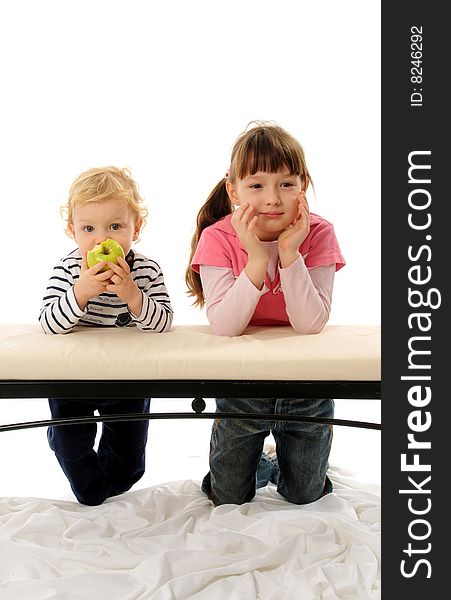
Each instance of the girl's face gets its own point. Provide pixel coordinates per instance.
(274, 198)
(94, 222)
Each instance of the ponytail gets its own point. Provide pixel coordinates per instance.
(216, 207)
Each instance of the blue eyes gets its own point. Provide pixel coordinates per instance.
(90, 228)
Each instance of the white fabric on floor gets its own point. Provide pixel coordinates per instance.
(168, 542)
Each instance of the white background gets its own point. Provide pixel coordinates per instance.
(165, 88)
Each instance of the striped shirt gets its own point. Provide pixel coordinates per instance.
(60, 312)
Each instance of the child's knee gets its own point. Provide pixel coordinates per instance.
(227, 498)
(305, 494)
(91, 499)
(70, 445)
(221, 496)
(299, 497)
(68, 452)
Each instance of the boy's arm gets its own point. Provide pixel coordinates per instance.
(156, 311)
(59, 310)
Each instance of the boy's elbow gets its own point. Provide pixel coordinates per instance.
(51, 332)
(169, 320)
(166, 319)
(46, 328)
(167, 325)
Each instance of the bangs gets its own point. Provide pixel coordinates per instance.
(99, 196)
(268, 150)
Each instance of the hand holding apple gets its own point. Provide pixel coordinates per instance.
(107, 251)
(122, 284)
(91, 282)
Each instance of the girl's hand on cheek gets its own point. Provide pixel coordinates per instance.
(244, 221)
(292, 237)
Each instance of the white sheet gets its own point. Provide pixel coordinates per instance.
(168, 542)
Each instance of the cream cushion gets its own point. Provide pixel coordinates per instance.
(339, 352)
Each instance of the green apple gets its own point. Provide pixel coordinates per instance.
(108, 250)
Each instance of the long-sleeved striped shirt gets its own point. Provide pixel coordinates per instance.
(60, 312)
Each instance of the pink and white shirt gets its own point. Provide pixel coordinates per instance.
(299, 295)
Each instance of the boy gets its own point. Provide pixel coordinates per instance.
(103, 203)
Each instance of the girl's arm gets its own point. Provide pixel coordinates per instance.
(308, 295)
(230, 302)
(308, 292)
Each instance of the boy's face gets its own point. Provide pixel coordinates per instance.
(94, 222)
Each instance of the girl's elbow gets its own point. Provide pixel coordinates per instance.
(303, 330)
(311, 328)
(220, 326)
(224, 330)
(319, 328)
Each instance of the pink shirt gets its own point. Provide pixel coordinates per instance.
(281, 298)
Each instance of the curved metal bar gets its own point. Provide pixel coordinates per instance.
(183, 415)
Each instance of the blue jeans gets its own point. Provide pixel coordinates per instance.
(120, 459)
(237, 466)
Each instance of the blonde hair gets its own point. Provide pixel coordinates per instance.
(265, 147)
(104, 183)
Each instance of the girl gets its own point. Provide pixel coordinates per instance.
(103, 203)
(258, 256)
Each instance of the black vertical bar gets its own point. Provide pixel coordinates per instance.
(415, 315)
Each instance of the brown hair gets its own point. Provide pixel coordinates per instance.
(265, 147)
(104, 183)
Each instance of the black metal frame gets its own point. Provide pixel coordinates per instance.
(198, 389)
(185, 388)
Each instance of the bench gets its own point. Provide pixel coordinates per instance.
(343, 361)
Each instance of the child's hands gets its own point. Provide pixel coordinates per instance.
(91, 282)
(121, 283)
(243, 221)
(292, 236)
